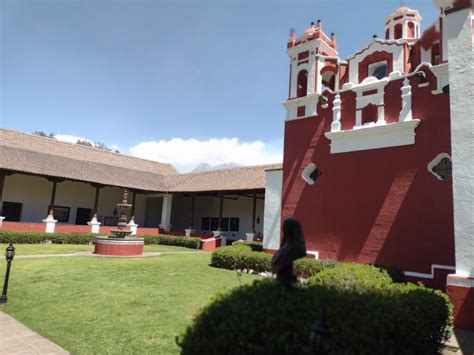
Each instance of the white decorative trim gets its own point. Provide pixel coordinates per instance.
(336, 114)
(431, 275)
(306, 46)
(406, 112)
(309, 101)
(441, 72)
(457, 280)
(307, 172)
(435, 162)
(373, 137)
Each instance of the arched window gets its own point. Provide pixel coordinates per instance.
(387, 33)
(411, 30)
(328, 79)
(302, 84)
(398, 31)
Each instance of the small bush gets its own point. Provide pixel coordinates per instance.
(353, 277)
(306, 267)
(240, 256)
(21, 237)
(187, 242)
(265, 318)
(256, 246)
(394, 272)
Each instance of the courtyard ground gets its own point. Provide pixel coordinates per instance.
(112, 305)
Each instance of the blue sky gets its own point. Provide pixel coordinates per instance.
(130, 72)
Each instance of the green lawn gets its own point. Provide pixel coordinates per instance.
(31, 249)
(114, 305)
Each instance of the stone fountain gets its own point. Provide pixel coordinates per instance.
(120, 243)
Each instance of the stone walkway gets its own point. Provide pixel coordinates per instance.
(15, 338)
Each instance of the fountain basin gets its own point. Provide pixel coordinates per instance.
(119, 246)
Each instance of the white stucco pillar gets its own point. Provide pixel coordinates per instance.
(336, 114)
(272, 213)
(133, 226)
(406, 112)
(1, 221)
(250, 237)
(188, 232)
(95, 224)
(166, 212)
(461, 83)
(50, 223)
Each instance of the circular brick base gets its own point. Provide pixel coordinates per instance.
(119, 246)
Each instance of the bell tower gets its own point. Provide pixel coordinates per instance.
(403, 23)
(313, 68)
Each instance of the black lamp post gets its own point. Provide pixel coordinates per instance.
(9, 255)
(320, 336)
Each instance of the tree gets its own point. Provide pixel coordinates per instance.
(43, 134)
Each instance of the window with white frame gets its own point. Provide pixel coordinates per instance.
(378, 69)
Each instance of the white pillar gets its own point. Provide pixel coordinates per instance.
(166, 212)
(188, 232)
(461, 82)
(358, 123)
(250, 237)
(381, 115)
(95, 225)
(406, 112)
(272, 213)
(50, 223)
(336, 114)
(1, 221)
(133, 226)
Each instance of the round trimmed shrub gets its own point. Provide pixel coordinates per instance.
(351, 276)
(306, 267)
(266, 318)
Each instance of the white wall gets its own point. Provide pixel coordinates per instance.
(461, 84)
(209, 207)
(35, 194)
(273, 195)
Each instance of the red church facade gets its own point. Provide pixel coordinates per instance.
(368, 152)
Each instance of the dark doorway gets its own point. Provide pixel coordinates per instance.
(12, 211)
(83, 215)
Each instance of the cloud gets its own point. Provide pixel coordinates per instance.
(71, 139)
(186, 154)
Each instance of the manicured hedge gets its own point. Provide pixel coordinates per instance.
(265, 318)
(306, 267)
(21, 237)
(240, 256)
(352, 277)
(187, 242)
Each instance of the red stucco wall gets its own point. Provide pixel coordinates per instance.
(374, 206)
(463, 302)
